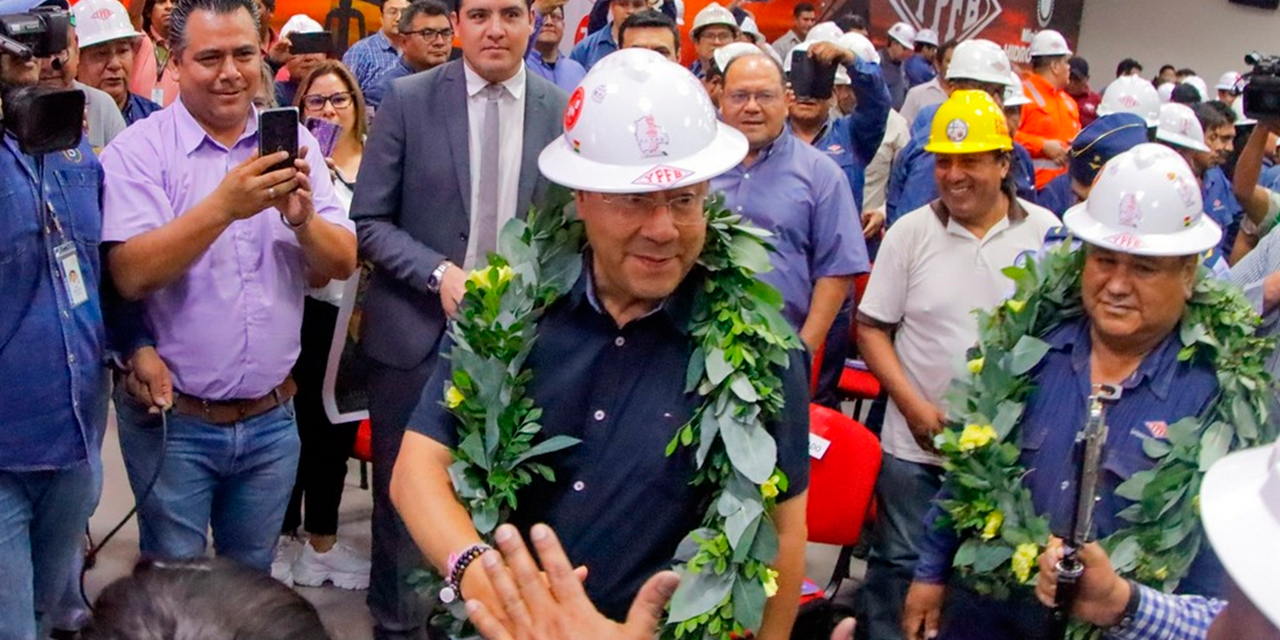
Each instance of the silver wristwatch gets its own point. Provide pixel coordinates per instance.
(437, 276)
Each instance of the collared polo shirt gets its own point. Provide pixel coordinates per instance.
(618, 503)
(803, 198)
(930, 276)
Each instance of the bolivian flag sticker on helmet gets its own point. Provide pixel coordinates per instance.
(957, 130)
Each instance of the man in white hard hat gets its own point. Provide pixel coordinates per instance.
(1132, 94)
(639, 159)
(1052, 118)
(1238, 508)
(605, 41)
(298, 64)
(900, 45)
(1228, 88)
(1203, 136)
(713, 27)
(804, 16)
(1144, 231)
(922, 67)
(107, 43)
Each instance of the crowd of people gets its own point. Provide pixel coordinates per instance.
(165, 267)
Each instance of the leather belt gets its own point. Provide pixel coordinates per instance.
(228, 412)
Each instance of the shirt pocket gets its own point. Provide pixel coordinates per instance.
(78, 205)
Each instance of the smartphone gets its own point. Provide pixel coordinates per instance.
(315, 42)
(809, 79)
(278, 131)
(326, 133)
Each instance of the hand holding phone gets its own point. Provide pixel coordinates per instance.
(810, 79)
(278, 131)
(326, 133)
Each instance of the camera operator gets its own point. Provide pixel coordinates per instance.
(53, 403)
(218, 244)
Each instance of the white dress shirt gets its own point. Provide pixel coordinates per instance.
(511, 117)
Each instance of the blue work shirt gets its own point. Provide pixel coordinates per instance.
(1057, 196)
(803, 198)
(382, 83)
(1221, 205)
(54, 393)
(137, 108)
(895, 78)
(619, 504)
(565, 73)
(1159, 393)
(594, 47)
(918, 70)
(911, 181)
(852, 141)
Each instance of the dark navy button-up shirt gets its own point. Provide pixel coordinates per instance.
(1161, 392)
(54, 390)
(1221, 205)
(852, 141)
(800, 195)
(381, 84)
(137, 108)
(619, 504)
(594, 47)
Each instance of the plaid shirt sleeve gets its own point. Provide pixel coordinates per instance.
(1162, 616)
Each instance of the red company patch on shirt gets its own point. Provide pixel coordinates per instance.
(1158, 428)
(663, 175)
(574, 109)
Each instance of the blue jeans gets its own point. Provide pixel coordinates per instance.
(236, 478)
(904, 491)
(42, 519)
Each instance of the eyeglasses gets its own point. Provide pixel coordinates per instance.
(315, 101)
(430, 34)
(554, 17)
(763, 98)
(716, 37)
(685, 208)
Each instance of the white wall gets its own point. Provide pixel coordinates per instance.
(1210, 36)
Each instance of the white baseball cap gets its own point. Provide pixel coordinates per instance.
(640, 123)
(1228, 81)
(1180, 126)
(1049, 43)
(904, 34)
(1240, 508)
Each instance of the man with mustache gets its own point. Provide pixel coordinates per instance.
(107, 43)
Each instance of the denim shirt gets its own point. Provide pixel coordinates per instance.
(51, 353)
(852, 141)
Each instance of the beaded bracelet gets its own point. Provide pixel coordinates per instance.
(458, 564)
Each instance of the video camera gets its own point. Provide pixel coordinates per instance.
(1262, 94)
(43, 120)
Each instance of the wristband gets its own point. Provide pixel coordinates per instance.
(458, 564)
(300, 225)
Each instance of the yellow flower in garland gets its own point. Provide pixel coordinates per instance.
(975, 365)
(976, 436)
(1024, 558)
(480, 277)
(770, 583)
(453, 397)
(1016, 306)
(770, 487)
(992, 528)
(1162, 573)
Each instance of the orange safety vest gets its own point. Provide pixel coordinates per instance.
(1052, 114)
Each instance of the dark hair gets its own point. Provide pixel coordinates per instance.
(336, 68)
(205, 599)
(650, 19)
(1041, 62)
(182, 10)
(1186, 72)
(421, 8)
(146, 16)
(1214, 114)
(1127, 66)
(1186, 94)
(946, 47)
(851, 22)
(802, 7)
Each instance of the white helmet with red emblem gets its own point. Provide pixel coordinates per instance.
(640, 123)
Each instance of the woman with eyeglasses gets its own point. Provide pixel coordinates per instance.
(329, 93)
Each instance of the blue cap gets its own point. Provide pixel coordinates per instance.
(1108, 137)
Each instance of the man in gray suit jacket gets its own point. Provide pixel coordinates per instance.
(439, 178)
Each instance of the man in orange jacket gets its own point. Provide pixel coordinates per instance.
(1051, 120)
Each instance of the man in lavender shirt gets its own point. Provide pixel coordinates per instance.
(219, 248)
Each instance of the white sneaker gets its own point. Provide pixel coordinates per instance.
(340, 565)
(287, 551)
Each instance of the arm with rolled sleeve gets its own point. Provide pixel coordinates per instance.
(376, 205)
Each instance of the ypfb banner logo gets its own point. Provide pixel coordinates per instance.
(953, 19)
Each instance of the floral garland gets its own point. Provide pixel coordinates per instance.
(742, 344)
(991, 510)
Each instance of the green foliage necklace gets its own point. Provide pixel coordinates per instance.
(742, 343)
(990, 509)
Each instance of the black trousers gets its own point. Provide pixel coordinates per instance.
(322, 469)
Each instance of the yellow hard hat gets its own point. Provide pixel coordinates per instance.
(969, 122)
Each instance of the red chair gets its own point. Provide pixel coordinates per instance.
(857, 383)
(841, 483)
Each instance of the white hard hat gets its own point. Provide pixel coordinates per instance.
(1165, 91)
(1228, 81)
(1180, 126)
(679, 12)
(1199, 84)
(824, 32)
(981, 60)
(99, 21)
(300, 23)
(1014, 95)
(1240, 507)
(860, 45)
(904, 34)
(842, 76)
(1131, 94)
(749, 27)
(726, 54)
(713, 14)
(640, 123)
(1146, 201)
(927, 36)
(1049, 43)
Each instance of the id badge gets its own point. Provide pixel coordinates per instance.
(157, 95)
(72, 276)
